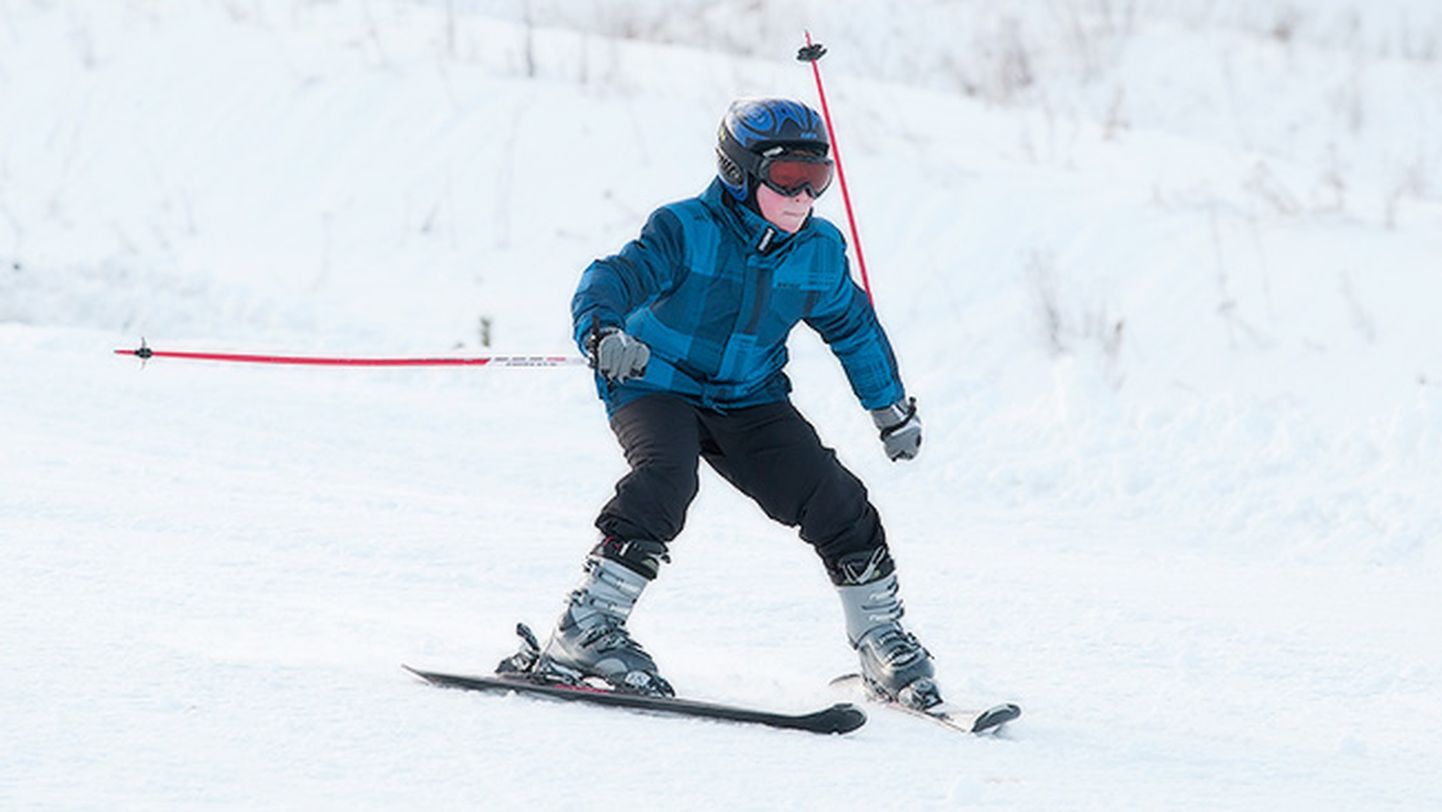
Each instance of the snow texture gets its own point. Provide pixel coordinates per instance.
(1163, 276)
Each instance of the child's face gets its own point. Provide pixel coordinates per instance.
(786, 213)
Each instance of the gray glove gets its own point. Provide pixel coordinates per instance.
(900, 429)
(617, 356)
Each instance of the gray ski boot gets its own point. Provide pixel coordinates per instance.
(894, 665)
(591, 640)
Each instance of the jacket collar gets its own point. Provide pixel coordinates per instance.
(753, 229)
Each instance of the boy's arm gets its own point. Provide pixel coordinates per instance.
(612, 287)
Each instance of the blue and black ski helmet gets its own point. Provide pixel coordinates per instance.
(752, 127)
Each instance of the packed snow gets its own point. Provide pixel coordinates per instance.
(1163, 276)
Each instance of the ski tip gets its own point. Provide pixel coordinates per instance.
(843, 717)
(993, 718)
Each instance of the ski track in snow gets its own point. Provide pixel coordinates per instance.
(1178, 496)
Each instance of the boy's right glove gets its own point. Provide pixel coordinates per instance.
(617, 356)
(900, 429)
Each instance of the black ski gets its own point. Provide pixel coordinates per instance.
(946, 714)
(839, 718)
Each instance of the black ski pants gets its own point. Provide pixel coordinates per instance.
(770, 452)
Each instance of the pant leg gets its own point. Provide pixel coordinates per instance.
(773, 454)
(660, 436)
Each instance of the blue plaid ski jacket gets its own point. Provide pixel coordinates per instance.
(714, 290)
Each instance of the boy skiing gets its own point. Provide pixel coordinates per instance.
(686, 328)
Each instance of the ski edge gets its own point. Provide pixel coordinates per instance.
(839, 718)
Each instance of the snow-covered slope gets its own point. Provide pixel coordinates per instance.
(1162, 278)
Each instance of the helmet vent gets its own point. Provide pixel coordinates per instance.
(730, 172)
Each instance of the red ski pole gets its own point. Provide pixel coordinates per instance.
(812, 53)
(145, 353)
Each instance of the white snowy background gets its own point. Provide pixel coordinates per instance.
(1165, 277)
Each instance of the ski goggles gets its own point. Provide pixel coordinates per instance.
(790, 173)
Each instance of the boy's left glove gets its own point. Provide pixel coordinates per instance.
(900, 429)
(616, 355)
